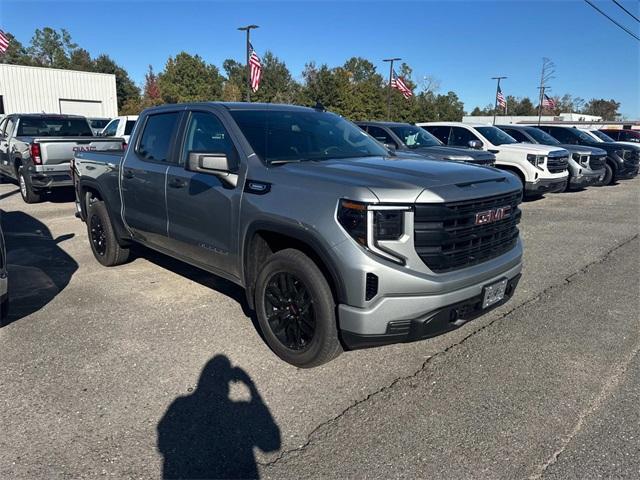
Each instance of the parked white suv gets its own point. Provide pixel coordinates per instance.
(542, 169)
(120, 127)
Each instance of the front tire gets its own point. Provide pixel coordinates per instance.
(29, 195)
(608, 175)
(296, 310)
(102, 237)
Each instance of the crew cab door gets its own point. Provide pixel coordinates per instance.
(203, 207)
(4, 147)
(143, 178)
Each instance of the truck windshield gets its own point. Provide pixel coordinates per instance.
(541, 137)
(98, 122)
(602, 136)
(288, 135)
(53, 127)
(496, 136)
(415, 137)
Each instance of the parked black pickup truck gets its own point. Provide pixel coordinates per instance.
(337, 243)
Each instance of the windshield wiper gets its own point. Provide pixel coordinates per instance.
(282, 162)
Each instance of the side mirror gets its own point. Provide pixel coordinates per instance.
(213, 164)
(391, 146)
(475, 144)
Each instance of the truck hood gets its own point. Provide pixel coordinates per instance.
(442, 152)
(583, 149)
(402, 179)
(528, 148)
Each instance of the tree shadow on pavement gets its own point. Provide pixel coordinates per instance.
(38, 268)
(208, 435)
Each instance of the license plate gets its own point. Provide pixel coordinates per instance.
(493, 293)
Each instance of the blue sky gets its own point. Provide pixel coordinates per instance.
(461, 43)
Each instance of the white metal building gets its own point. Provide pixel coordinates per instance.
(50, 90)
(504, 119)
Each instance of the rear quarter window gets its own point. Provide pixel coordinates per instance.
(159, 131)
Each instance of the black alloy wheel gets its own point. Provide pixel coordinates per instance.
(290, 311)
(98, 235)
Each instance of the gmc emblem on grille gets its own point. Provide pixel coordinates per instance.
(490, 216)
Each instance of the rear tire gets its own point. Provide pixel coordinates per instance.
(102, 237)
(608, 175)
(29, 195)
(296, 310)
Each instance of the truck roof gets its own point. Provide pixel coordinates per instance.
(384, 123)
(240, 106)
(40, 115)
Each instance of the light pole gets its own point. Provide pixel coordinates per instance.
(495, 107)
(248, 47)
(390, 60)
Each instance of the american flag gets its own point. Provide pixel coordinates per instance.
(548, 102)
(398, 84)
(4, 42)
(256, 68)
(500, 98)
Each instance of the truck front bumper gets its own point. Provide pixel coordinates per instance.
(395, 319)
(545, 185)
(628, 170)
(585, 179)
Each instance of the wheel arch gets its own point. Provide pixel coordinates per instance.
(265, 238)
(91, 187)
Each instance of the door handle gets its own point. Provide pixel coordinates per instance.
(128, 174)
(177, 183)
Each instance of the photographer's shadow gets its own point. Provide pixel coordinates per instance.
(208, 435)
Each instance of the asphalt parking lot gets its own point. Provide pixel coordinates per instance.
(122, 372)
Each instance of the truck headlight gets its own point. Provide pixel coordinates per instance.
(459, 158)
(536, 160)
(620, 153)
(370, 224)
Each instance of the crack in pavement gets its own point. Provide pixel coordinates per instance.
(607, 390)
(565, 281)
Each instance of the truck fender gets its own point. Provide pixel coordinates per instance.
(301, 235)
(86, 184)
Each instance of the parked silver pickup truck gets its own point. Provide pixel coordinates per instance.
(35, 150)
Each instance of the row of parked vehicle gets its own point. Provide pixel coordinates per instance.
(342, 236)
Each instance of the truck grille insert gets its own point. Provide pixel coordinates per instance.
(447, 238)
(596, 163)
(557, 164)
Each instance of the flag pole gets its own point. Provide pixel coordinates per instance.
(541, 88)
(495, 107)
(248, 52)
(390, 60)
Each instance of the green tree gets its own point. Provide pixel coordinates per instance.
(235, 85)
(51, 48)
(16, 53)
(80, 59)
(187, 78)
(126, 89)
(607, 109)
(277, 84)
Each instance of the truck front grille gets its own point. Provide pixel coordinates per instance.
(447, 238)
(557, 164)
(596, 163)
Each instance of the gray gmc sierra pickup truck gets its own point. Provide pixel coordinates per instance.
(36, 150)
(336, 242)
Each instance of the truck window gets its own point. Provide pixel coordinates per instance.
(53, 127)
(205, 133)
(156, 137)
(381, 135)
(460, 137)
(8, 128)
(128, 128)
(440, 132)
(519, 136)
(111, 129)
(303, 135)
